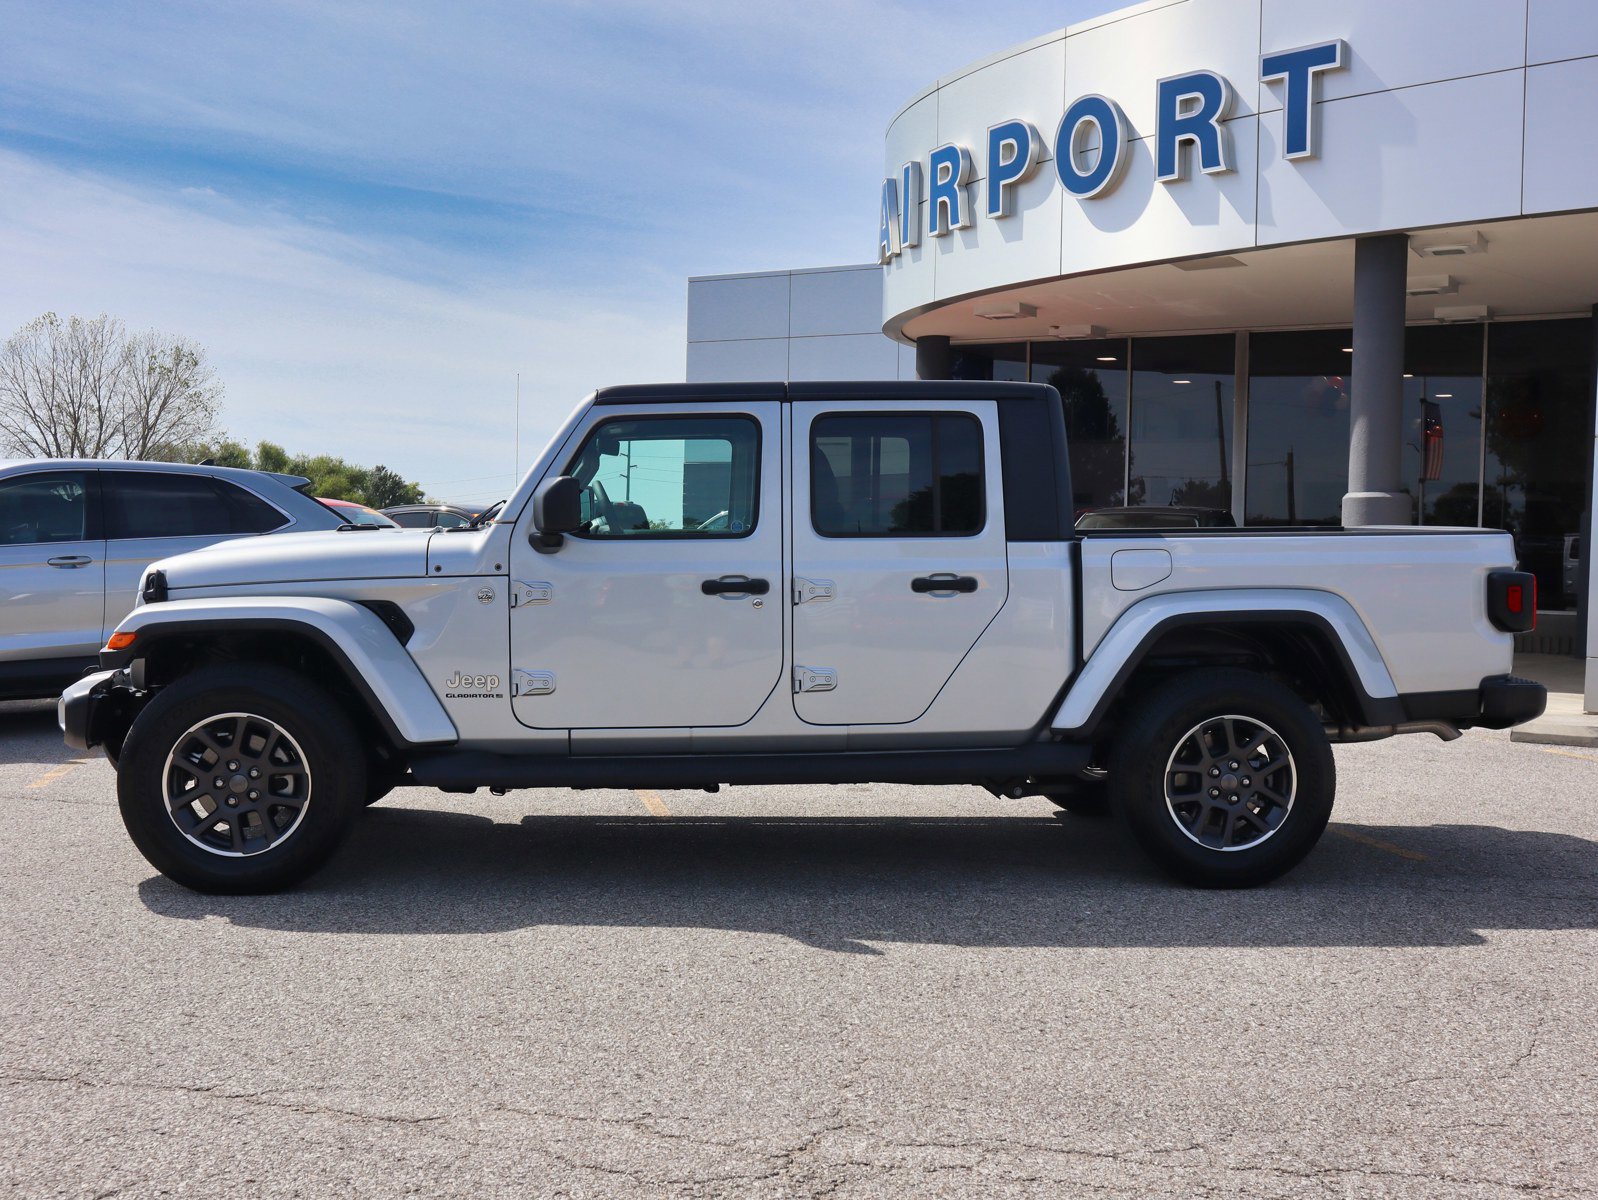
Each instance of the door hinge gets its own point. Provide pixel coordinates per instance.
(805, 590)
(814, 679)
(532, 683)
(523, 594)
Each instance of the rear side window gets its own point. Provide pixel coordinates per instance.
(155, 504)
(46, 507)
(896, 475)
(413, 520)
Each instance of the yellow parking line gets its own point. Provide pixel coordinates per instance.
(1365, 839)
(653, 802)
(55, 773)
(1568, 754)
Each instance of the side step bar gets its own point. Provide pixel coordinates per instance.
(467, 770)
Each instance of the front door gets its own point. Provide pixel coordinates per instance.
(665, 611)
(898, 553)
(52, 567)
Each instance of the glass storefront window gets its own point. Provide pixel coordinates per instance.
(1181, 445)
(1539, 398)
(998, 360)
(1091, 379)
(1442, 422)
(1297, 427)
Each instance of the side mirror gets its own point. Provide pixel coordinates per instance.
(557, 510)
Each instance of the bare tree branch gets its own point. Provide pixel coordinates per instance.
(87, 389)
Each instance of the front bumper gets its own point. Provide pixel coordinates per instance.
(86, 709)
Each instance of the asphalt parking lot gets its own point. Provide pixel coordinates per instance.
(859, 991)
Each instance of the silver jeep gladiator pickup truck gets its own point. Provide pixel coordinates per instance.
(794, 584)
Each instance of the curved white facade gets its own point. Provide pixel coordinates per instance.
(1440, 113)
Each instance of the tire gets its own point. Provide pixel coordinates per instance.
(1210, 825)
(200, 738)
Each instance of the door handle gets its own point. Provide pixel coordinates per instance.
(944, 583)
(70, 560)
(735, 585)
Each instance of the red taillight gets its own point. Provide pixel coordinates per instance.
(1512, 600)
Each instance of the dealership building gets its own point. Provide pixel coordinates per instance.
(1314, 262)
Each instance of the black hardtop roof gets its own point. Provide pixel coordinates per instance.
(885, 391)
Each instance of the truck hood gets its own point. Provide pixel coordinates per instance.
(301, 557)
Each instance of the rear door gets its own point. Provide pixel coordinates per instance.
(151, 515)
(52, 566)
(898, 552)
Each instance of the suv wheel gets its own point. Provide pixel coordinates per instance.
(239, 778)
(1225, 778)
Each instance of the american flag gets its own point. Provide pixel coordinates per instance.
(1431, 441)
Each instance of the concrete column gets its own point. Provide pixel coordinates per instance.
(1376, 430)
(934, 357)
(1586, 610)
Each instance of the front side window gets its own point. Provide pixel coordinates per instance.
(46, 507)
(158, 504)
(669, 477)
(892, 475)
(413, 520)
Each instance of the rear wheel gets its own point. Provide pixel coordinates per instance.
(1225, 778)
(240, 778)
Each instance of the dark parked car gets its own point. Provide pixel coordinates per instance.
(1154, 516)
(359, 514)
(430, 516)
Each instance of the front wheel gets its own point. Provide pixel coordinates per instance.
(1225, 778)
(240, 779)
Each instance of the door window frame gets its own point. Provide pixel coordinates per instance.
(932, 414)
(677, 535)
(93, 518)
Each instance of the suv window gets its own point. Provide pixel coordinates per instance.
(669, 477)
(449, 520)
(412, 520)
(50, 506)
(896, 475)
(153, 504)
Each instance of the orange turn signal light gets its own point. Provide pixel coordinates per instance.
(120, 641)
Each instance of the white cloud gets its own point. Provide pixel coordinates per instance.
(319, 351)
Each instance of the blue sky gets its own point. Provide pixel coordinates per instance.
(374, 215)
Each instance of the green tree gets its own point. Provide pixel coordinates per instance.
(269, 456)
(386, 488)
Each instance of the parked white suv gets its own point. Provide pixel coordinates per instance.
(76, 535)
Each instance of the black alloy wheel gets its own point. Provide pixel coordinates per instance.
(1225, 778)
(240, 778)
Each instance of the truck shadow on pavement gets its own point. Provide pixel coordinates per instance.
(859, 885)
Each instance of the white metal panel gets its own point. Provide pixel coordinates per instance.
(1561, 29)
(629, 635)
(751, 306)
(1394, 45)
(1140, 621)
(907, 361)
(1146, 219)
(892, 648)
(859, 356)
(374, 651)
(1029, 86)
(1561, 171)
(908, 280)
(737, 362)
(1124, 59)
(1422, 595)
(845, 300)
(1434, 155)
(1008, 682)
